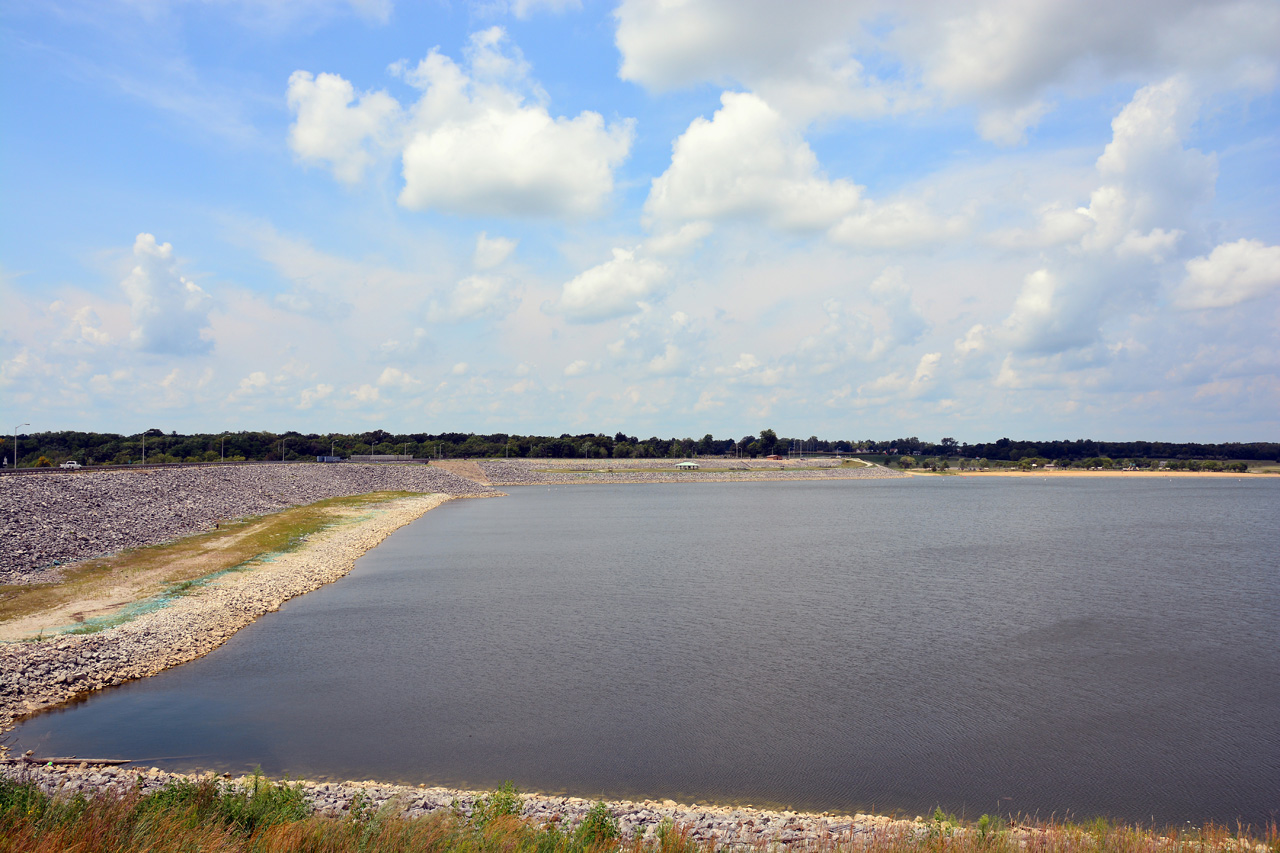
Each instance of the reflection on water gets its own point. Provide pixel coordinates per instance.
(1076, 646)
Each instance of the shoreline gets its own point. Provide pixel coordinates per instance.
(743, 825)
(39, 676)
(1105, 475)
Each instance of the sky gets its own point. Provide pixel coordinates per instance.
(844, 218)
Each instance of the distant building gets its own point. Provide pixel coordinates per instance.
(773, 456)
(688, 466)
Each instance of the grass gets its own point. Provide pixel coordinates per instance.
(272, 817)
(176, 568)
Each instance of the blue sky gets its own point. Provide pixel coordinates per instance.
(850, 219)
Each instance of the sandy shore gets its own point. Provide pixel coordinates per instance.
(38, 676)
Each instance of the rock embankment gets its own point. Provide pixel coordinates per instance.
(729, 825)
(539, 472)
(65, 517)
(36, 676)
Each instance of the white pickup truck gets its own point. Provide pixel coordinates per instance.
(71, 464)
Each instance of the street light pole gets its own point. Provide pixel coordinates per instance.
(224, 447)
(15, 444)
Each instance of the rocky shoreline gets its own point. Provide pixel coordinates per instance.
(728, 825)
(40, 675)
(541, 472)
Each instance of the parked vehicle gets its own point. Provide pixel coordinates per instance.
(71, 464)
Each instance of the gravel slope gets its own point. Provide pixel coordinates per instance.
(63, 517)
(538, 472)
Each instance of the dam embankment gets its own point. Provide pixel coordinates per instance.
(64, 517)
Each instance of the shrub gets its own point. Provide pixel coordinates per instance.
(264, 803)
(505, 800)
(598, 826)
(20, 800)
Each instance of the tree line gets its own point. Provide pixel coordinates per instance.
(157, 446)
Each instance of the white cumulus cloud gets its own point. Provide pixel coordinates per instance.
(478, 141)
(492, 251)
(334, 126)
(170, 314)
(1232, 273)
(1049, 317)
(1152, 180)
(612, 289)
(1005, 57)
(477, 297)
(477, 145)
(310, 396)
(748, 161)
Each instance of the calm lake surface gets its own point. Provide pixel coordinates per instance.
(1067, 646)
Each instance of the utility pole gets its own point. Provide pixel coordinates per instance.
(15, 444)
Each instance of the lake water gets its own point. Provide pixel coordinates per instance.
(1068, 646)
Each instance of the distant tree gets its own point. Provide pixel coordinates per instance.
(43, 462)
(767, 442)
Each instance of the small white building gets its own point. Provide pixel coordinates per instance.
(688, 466)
